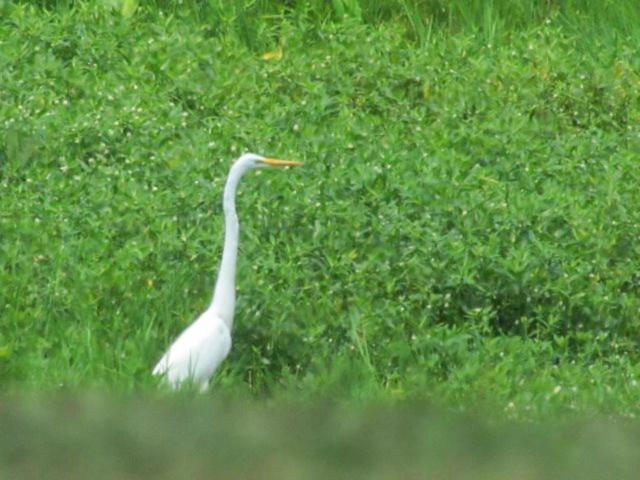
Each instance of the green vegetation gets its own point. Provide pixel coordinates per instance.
(464, 231)
(88, 437)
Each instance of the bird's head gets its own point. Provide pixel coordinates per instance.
(251, 160)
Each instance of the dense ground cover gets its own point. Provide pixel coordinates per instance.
(150, 438)
(465, 228)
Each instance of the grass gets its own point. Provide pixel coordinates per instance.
(463, 232)
(148, 437)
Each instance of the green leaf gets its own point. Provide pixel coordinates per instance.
(129, 7)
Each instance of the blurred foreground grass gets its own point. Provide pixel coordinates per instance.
(96, 436)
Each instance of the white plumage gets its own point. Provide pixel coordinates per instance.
(200, 349)
(197, 352)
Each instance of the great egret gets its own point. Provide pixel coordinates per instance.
(199, 350)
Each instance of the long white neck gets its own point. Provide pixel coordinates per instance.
(224, 296)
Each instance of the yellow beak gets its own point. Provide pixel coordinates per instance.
(274, 162)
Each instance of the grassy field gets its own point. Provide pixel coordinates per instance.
(463, 234)
(144, 437)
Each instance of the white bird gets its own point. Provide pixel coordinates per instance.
(201, 348)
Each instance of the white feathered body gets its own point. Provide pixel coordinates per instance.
(201, 348)
(197, 352)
